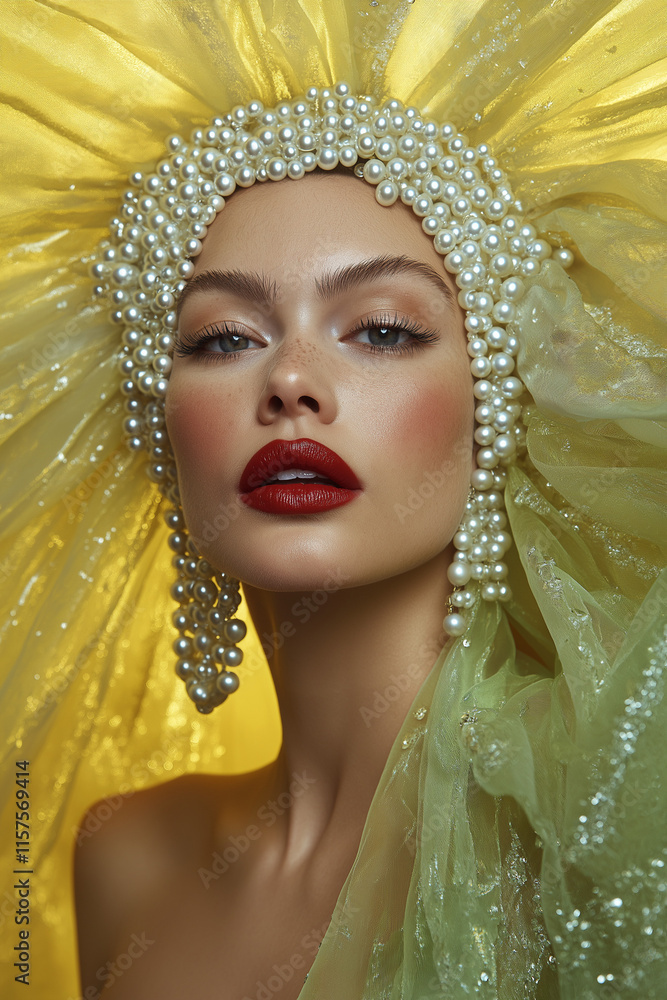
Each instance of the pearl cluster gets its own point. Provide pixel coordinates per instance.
(465, 204)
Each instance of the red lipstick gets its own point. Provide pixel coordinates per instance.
(328, 482)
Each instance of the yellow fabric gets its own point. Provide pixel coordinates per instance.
(571, 99)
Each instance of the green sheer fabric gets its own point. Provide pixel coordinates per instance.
(515, 847)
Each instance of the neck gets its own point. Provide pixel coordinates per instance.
(347, 664)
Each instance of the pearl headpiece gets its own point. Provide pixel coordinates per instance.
(465, 204)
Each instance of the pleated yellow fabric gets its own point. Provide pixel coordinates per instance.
(443, 900)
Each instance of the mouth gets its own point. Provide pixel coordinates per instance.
(297, 477)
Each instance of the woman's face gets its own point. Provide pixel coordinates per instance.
(329, 318)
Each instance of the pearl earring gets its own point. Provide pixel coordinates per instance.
(207, 646)
(480, 543)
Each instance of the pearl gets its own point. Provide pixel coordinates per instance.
(444, 241)
(480, 195)
(407, 146)
(482, 389)
(182, 646)
(227, 682)
(276, 169)
(366, 144)
(512, 387)
(447, 167)
(487, 458)
(539, 249)
(234, 630)
(461, 207)
(374, 171)
(512, 289)
(503, 421)
(496, 337)
(530, 268)
(185, 668)
(454, 262)
(504, 446)
(328, 159)
(483, 303)
(482, 479)
(477, 347)
(502, 364)
(233, 657)
(422, 206)
(199, 694)
(484, 413)
(485, 435)
(385, 149)
(503, 312)
(458, 574)
(564, 256)
(386, 193)
(476, 324)
(480, 367)
(454, 625)
(503, 540)
(348, 156)
(496, 209)
(245, 177)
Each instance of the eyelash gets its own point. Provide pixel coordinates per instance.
(191, 344)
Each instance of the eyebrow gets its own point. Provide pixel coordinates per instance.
(345, 278)
(244, 284)
(257, 288)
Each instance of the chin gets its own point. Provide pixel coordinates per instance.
(329, 568)
(279, 565)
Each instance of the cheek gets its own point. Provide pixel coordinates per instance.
(435, 422)
(199, 424)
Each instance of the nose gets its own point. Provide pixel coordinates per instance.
(299, 384)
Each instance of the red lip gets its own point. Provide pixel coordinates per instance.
(297, 497)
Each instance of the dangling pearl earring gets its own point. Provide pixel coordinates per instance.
(481, 543)
(208, 633)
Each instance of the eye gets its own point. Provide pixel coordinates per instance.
(229, 342)
(384, 334)
(215, 342)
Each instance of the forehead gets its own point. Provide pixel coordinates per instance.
(299, 225)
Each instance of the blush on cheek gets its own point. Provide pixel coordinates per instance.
(199, 428)
(436, 422)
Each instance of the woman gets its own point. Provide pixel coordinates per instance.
(319, 374)
(320, 378)
(502, 709)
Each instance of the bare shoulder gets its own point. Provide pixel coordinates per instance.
(127, 847)
(126, 842)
